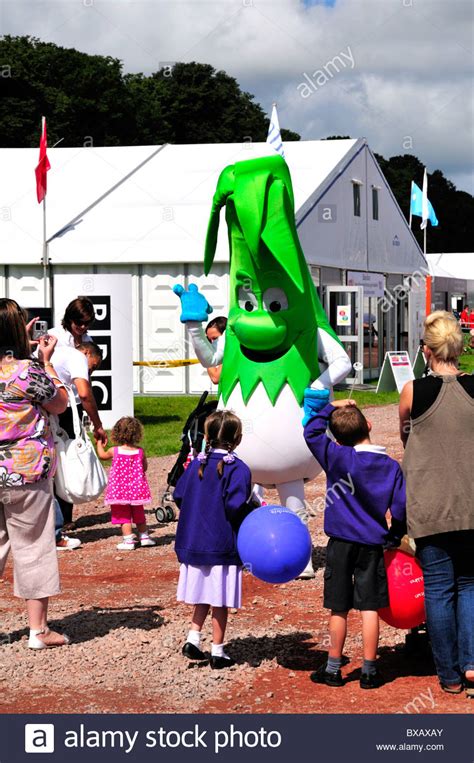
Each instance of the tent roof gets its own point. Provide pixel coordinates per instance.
(159, 207)
(452, 265)
(159, 213)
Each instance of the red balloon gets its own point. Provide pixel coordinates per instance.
(405, 590)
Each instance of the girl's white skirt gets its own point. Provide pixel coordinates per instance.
(219, 585)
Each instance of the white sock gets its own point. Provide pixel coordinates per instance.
(144, 535)
(128, 537)
(217, 650)
(194, 637)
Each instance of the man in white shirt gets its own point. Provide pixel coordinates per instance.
(74, 367)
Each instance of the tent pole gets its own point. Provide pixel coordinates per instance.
(45, 258)
(428, 278)
(411, 194)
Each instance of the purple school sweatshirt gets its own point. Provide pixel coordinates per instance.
(362, 483)
(211, 511)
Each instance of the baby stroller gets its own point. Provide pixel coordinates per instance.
(192, 438)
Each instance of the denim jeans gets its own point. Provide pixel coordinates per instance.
(447, 561)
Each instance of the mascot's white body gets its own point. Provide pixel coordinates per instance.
(273, 445)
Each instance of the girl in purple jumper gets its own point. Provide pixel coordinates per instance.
(212, 495)
(127, 490)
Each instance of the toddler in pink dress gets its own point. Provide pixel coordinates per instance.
(127, 490)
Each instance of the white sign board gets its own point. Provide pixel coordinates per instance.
(111, 295)
(343, 315)
(396, 372)
(372, 283)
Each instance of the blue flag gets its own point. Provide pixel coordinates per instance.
(416, 204)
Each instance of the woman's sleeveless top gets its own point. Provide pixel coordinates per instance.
(437, 464)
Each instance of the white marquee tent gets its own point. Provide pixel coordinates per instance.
(452, 265)
(144, 211)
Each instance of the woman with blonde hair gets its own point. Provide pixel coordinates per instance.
(28, 391)
(437, 430)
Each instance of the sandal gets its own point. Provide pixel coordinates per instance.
(469, 684)
(34, 642)
(452, 688)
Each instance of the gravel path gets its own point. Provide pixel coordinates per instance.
(127, 632)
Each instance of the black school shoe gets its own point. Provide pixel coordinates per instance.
(323, 676)
(217, 663)
(370, 680)
(193, 652)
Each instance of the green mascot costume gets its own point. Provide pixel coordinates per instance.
(279, 350)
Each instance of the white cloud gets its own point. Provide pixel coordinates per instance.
(412, 71)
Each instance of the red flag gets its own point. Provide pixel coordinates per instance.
(43, 165)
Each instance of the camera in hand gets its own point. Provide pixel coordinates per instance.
(40, 328)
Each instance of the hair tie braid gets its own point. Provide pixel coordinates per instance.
(230, 457)
(202, 458)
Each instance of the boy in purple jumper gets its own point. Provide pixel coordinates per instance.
(362, 484)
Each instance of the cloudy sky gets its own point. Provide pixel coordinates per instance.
(398, 72)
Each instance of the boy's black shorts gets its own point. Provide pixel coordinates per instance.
(354, 577)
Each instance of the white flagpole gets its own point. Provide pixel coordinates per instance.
(45, 258)
(424, 225)
(411, 194)
(45, 245)
(424, 209)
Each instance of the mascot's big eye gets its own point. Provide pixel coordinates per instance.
(274, 300)
(247, 300)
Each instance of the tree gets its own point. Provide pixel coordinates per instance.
(88, 100)
(454, 209)
(84, 97)
(198, 105)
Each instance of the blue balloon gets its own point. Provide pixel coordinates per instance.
(274, 544)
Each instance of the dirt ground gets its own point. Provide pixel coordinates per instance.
(127, 629)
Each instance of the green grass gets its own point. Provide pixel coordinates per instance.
(369, 398)
(164, 417)
(466, 363)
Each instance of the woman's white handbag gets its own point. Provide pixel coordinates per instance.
(80, 476)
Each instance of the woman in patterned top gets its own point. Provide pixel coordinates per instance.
(28, 391)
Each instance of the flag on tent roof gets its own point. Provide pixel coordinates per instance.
(274, 134)
(416, 206)
(43, 164)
